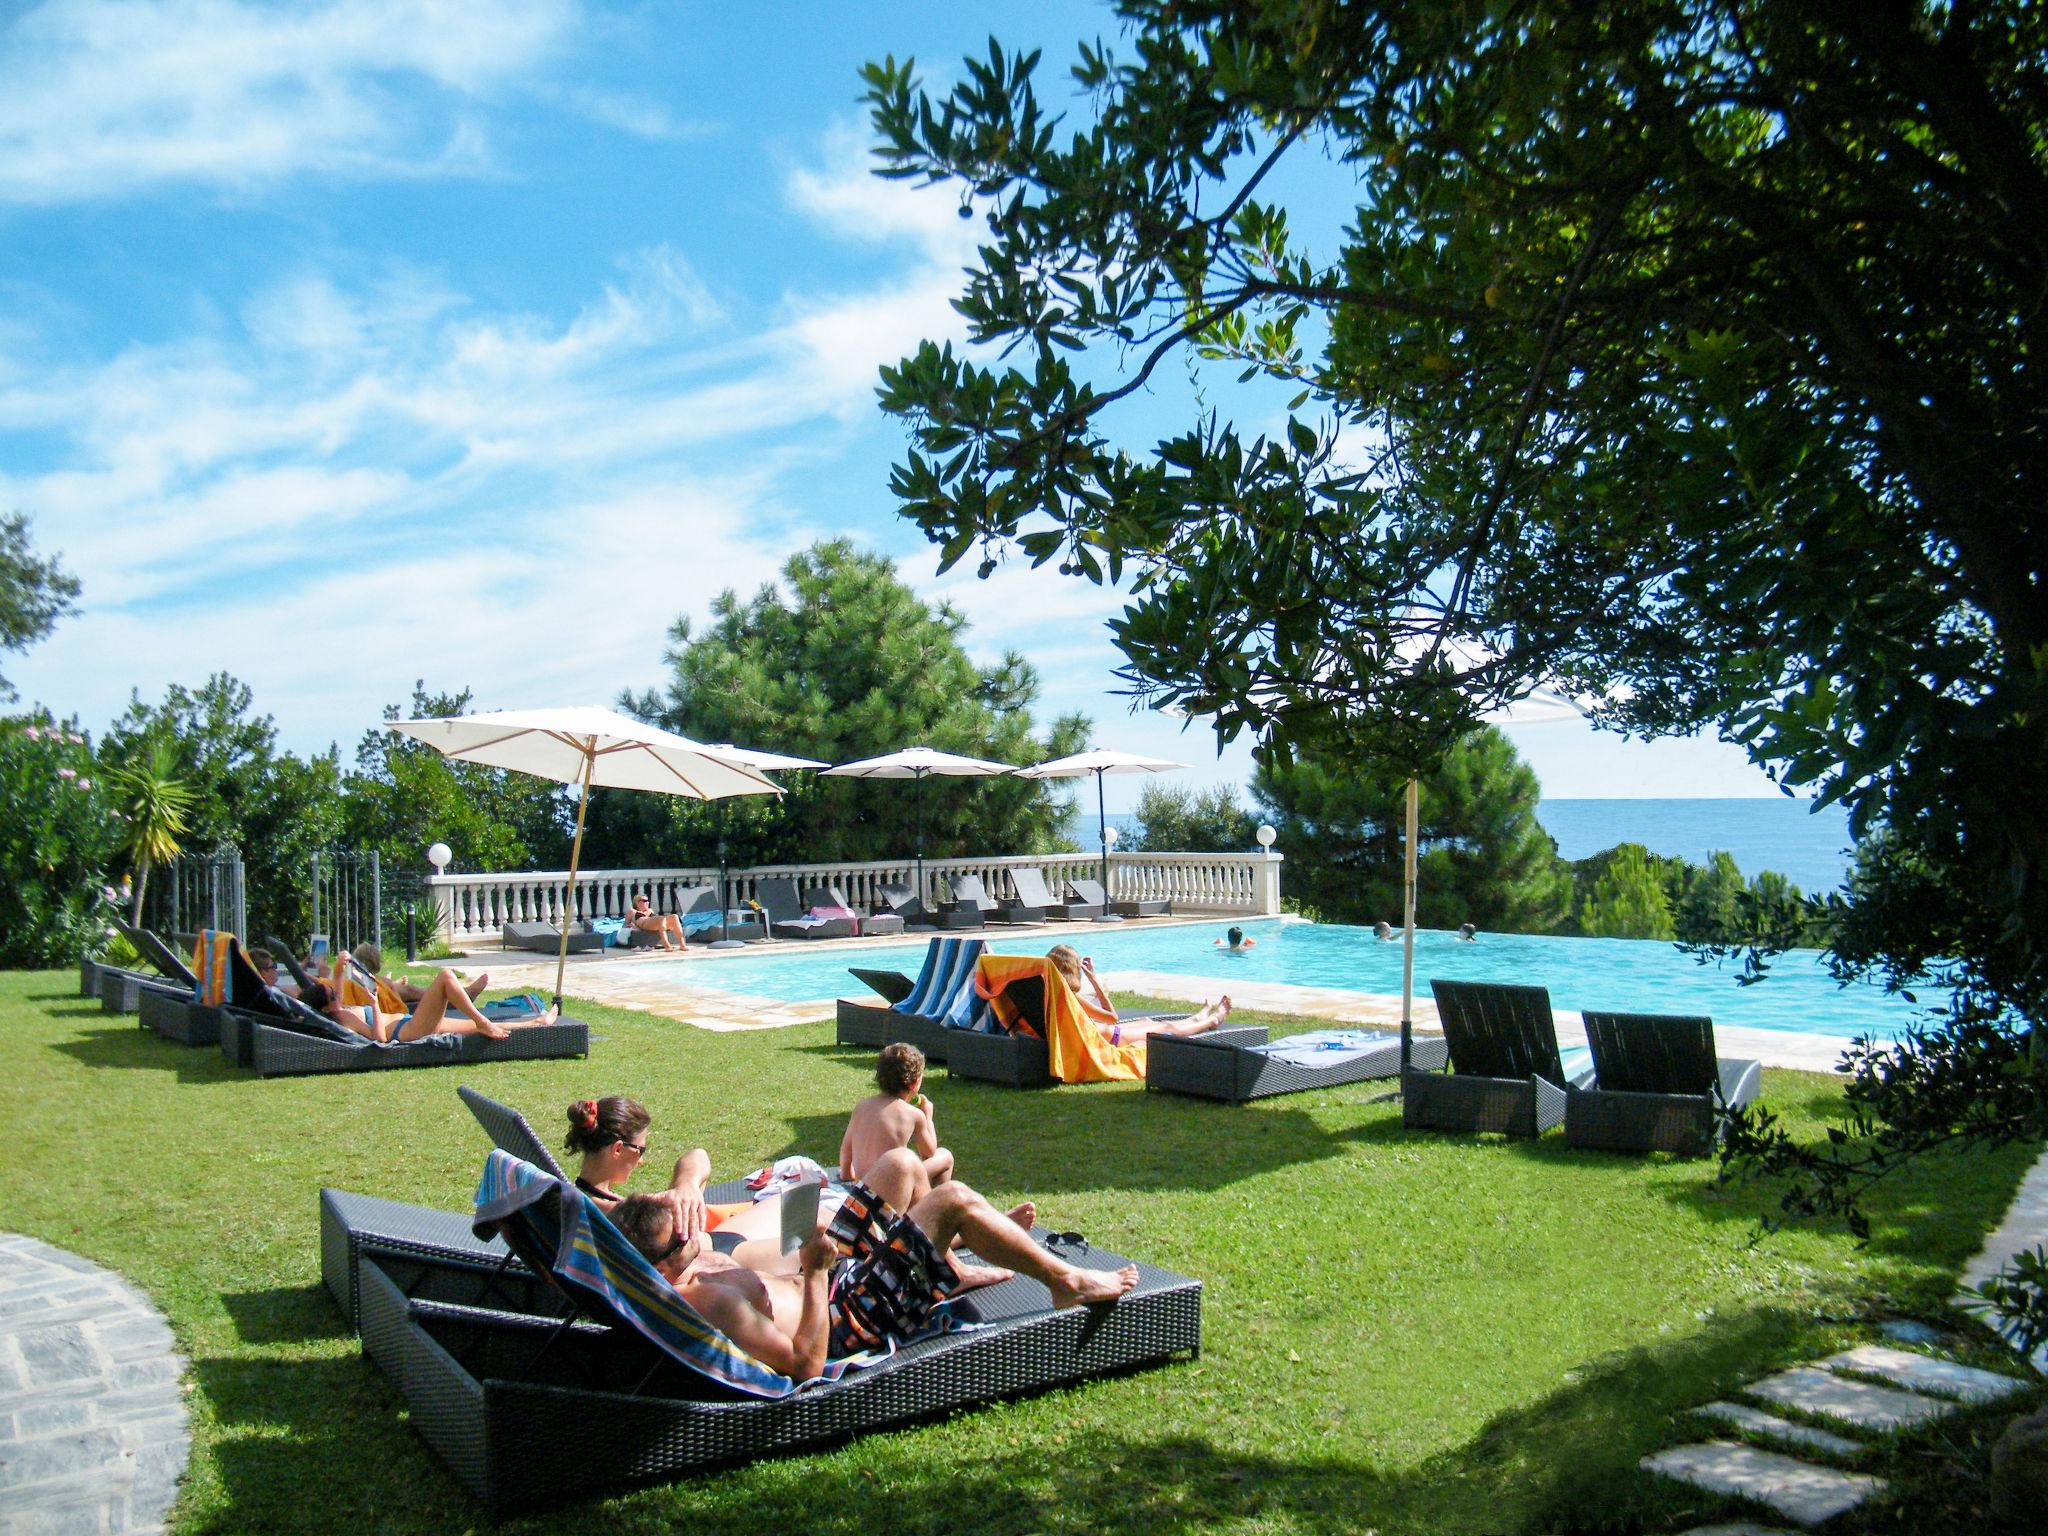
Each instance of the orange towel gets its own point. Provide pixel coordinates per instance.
(1077, 1046)
(210, 965)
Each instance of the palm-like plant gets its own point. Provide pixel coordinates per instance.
(154, 802)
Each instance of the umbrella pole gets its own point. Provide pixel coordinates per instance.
(917, 815)
(725, 938)
(575, 854)
(1102, 833)
(1408, 929)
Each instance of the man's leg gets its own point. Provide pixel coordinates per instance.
(955, 1210)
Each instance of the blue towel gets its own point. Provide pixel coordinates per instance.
(613, 929)
(698, 922)
(945, 987)
(1325, 1047)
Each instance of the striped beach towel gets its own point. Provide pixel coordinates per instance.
(945, 987)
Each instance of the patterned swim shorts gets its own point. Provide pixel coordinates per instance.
(894, 1277)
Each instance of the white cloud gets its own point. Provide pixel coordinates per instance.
(99, 97)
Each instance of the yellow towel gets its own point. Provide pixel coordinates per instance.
(1077, 1048)
(210, 965)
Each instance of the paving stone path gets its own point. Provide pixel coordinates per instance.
(92, 1419)
(1873, 1389)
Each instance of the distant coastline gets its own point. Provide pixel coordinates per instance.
(1808, 847)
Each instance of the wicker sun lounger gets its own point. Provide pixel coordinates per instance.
(788, 915)
(546, 939)
(1506, 1074)
(1658, 1086)
(968, 888)
(1092, 894)
(891, 986)
(279, 1037)
(942, 993)
(1031, 891)
(901, 903)
(1223, 1064)
(528, 1409)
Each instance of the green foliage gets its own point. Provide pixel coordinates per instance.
(1484, 858)
(35, 592)
(843, 661)
(276, 808)
(153, 805)
(1686, 351)
(405, 795)
(57, 842)
(1175, 819)
(1628, 900)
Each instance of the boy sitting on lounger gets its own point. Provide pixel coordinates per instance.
(899, 1116)
(871, 1277)
(1080, 973)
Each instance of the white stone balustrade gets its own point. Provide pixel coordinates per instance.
(475, 907)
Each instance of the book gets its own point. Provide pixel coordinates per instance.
(800, 1213)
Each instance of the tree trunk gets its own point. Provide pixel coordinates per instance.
(141, 885)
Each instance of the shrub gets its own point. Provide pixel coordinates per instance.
(57, 840)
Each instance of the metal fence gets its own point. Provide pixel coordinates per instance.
(198, 890)
(348, 898)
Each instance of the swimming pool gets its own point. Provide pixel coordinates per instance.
(1629, 974)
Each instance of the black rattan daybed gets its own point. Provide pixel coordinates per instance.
(1506, 1073)
(1238, 1064)
(527, 1409)
(1658, 1086)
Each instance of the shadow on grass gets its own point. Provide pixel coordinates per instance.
(1567, 1463)
(318, 1444)
(145, 1050)
(289, 1314)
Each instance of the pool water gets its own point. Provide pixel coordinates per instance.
(1637, 975)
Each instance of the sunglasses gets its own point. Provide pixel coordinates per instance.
(637, 1148)
(1065, 1240)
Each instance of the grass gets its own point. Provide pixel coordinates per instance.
(1402, 1333)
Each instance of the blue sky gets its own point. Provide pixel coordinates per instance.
(348, 344)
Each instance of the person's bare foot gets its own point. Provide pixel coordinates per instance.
(491, 1029)
(1024, 1215)
(1223, 1008)
(474, 987)
(1080, 1287)
(974, 1276)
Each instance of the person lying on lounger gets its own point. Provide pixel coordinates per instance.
(266, 967)
(647, 920)
(1080, 973)
(371, 959)
(872, 1275)
(443, 1009)
(899, 1116)
(610, 1134)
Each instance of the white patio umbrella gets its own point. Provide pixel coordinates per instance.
(766, 762)
(593, 747)
(918, 763)
(1100, 761)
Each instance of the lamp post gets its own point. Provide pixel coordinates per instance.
(438, 856)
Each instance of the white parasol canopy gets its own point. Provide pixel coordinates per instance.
(590, 746)
(918, 763)
(1099, 761)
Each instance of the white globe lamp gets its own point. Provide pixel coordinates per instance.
(438, 856)
(1267, 837)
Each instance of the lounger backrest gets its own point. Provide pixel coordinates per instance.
(1090, 891)
(1652, 1053)
(780, 900)
(696, 898)
(1497, 1030)
(509, 1130)
(898, 898)
(970, 888)
(1031, 891)
(562, 1236)
(158, 954)
(945, 987)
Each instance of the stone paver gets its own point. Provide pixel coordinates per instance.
(1924, 1373)
(93, 1434)
(1770, 1427)
(1803, 1494)
(2025, 1226)
(1855, 1403)
(1737, 1528)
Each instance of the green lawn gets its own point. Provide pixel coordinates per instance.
(1402, 1332)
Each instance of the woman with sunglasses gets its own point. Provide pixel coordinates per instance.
(611, 1135)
